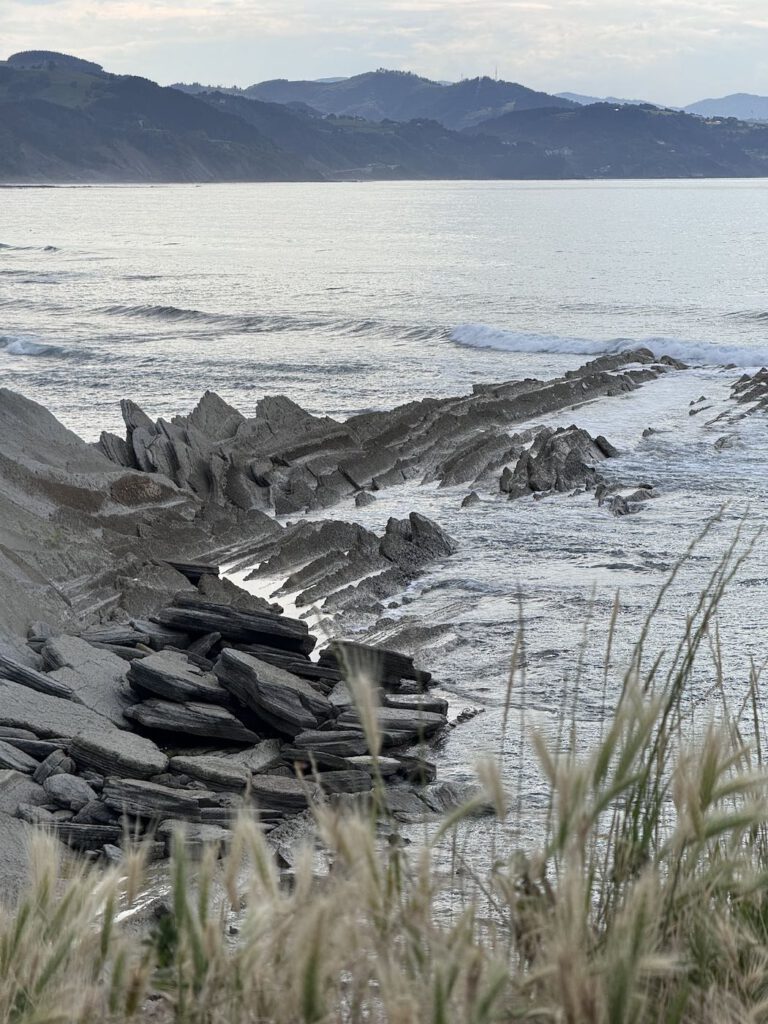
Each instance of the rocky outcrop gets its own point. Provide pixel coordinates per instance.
(558, 460)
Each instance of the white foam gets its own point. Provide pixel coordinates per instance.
(486, 336)
(23, 345)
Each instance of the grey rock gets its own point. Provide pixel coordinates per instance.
(95, 812)
(21, 674)
(96, 678)
(194, 836)
(57, 763)
(13, 758)
(14, 857)
(215, 772)
(69, 791)
(473, 498)
(364, 498)
(136, 797)
(286, 702)
(47, 716)
(118, 753)
(261, 758)
(192, 719)
(17, 789)
(239, 626)
(33, 814)
(283, 794)
(173, 676)
(340, 743)
(87, 837)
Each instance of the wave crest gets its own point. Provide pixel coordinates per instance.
(485, 336)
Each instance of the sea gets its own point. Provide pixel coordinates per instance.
(359, 296)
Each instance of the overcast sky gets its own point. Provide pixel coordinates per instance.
(673, 51)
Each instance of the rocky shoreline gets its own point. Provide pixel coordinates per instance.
(140, 688)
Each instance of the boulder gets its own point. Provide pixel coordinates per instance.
(17, 789)
(69, 791)
(364, 498)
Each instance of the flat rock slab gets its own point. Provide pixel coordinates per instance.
(397, 720)
(15, 759)
(48, 716)
(87, 837)
(191, 719)
(284, 794)
(239, 626)
(258, 759)
(96, 677)
(194, 836)
(341, 743)
(172, 676)
(123, 754)
(285, 701)
(349, 781)
(141, 799)
(215, 772)
(16, 789)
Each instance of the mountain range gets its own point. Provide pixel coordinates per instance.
(63, 119)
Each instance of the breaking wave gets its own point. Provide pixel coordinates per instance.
(483, 336)
(25, 345)
(28, 248)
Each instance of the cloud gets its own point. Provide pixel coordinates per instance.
(667, 50)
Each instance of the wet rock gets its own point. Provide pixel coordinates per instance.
(414, 542)
(473, 498)
(191, 719)
(386, 667)
(364, 498)
(288, 703)
(558, 460)
(141, 799)
(87, 837)
(174, 677)
(725, 442)
(118, 753)
(396, 725)
(96, 678)
(69, 791)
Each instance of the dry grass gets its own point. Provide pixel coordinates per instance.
(646, 902)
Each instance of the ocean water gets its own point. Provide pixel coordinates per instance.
(350, 297)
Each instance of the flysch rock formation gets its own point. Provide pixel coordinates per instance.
(138, 689)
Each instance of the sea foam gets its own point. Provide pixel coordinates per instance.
(488, 337)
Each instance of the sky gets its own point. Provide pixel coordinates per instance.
(664, 51)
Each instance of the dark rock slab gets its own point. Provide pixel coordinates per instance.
(191, 719)
(285, 701)
(16, 760)
(118, 753)
(397, 723)
(87, 837)
(32, 679)
(95, 812)
(141, 799)
(58, 762)
(172, 676)
(283, 794)
(387, 667)
(340, 743)
(240, 626)
(194, 571)
(345, 781)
